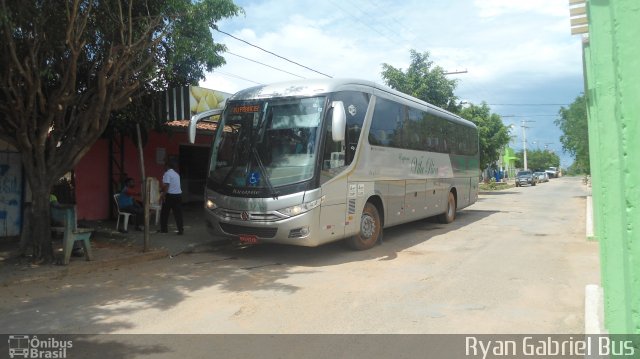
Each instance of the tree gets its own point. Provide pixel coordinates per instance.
(66, 66)
(494, 135)
(539, 160)
(427, 82)
(423, 80)
(575, 138)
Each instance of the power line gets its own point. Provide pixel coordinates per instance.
(359, 20)
(529, 115)
(235, 76)
(263, 64)
(269, 52)
(367, 16)
(400, 25)
(528, 104)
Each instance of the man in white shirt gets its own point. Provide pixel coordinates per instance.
(172, 195)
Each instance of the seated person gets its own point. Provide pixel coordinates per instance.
(127, 202)
(53, 200)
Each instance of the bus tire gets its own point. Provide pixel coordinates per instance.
(370, 229)
(450, 214)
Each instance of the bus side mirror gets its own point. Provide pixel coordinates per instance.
(197, 118)
(338, 121)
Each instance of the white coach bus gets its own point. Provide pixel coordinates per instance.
(314, 161)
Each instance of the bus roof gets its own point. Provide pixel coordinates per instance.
(314, 87)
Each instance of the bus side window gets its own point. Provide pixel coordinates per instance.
(332, 154)
(336, 156)
(356, 104)
(332, 150)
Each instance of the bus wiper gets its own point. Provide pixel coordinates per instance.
(263, 170)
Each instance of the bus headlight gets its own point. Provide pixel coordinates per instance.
(210, 205)
(301, 208)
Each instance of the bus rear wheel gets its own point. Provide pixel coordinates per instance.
(450, 214)
(370, 229)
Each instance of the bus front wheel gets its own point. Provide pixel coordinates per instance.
(370, 229)
(450, 214)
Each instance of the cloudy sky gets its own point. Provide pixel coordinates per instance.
(519, 55)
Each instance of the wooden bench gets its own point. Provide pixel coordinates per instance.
(66, 214)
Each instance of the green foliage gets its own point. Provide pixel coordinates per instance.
(63, 60)
(494, 135)
(492, 185)
(574, 170)
(187, 49)
(575, 138)
(423, 80)
(183, 56)
(427, 82)
(539, 160)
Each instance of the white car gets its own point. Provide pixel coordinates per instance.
(552, 172)
(542, 176)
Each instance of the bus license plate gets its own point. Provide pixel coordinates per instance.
(248, 239)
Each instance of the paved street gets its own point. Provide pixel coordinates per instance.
(517, 261)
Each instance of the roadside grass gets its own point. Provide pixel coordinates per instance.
(495, 186)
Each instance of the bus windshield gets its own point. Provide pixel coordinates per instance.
(266, 143)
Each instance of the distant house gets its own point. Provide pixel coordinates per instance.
(509, 162)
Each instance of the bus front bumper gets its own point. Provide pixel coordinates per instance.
(298, 230)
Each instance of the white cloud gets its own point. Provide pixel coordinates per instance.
(514, 50)
(494, 8)
(489, 38)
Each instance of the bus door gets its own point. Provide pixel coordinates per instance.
(333, 208)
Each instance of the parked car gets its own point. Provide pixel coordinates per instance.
(552, 172)
(541, 176)
(525, 177)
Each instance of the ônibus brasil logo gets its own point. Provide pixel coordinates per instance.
(32, 347)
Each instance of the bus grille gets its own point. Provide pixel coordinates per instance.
(254, 216)
(254, 231)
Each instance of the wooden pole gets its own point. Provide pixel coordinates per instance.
(143, 180)
(147, 199)
(144, 190)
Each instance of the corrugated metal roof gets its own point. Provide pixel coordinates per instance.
(203, 125)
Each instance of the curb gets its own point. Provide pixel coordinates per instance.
(593, 310)
(589, 217)
(88, 267)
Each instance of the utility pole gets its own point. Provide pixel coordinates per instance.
(456, 72)
(524, 142)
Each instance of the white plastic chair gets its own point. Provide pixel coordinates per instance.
(126, 215)
(154, 198)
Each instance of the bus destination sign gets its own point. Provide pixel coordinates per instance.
(245, 109)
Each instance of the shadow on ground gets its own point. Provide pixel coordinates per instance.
(102, 302)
